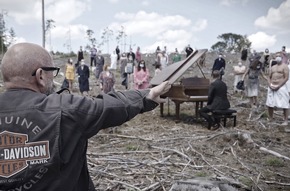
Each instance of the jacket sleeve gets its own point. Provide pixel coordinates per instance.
(210, 94)
(106, 110)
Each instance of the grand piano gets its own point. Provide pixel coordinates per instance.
(185, 88)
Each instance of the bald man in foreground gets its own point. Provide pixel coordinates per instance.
(43, 135)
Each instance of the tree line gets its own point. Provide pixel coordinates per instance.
(7, 36)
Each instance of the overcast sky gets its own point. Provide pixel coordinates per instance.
(151, 23)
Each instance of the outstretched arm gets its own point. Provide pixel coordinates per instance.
(156, 91)
(264, 76)
(247, 70)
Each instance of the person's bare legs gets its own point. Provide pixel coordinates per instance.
(70, 84)
(289, 102)
(270, 113)
(251, 101)
(285, 111)
(255, 101)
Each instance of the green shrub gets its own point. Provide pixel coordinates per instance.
(276, 162)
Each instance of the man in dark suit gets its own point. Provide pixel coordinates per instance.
(131, 56)
(188, 50)
(217, 100)
(219, 64)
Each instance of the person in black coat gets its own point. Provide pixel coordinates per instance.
(117, 52)
(131, 56)
(80, 56)
(188, 50)
(217, 100)
(244, 55)
(220, 65)
(83, 72)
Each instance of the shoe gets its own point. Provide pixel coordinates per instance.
(285, 123)
(215, 127)
(209, 126)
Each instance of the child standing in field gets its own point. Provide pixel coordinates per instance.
(157, 69)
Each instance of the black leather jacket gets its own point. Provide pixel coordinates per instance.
(43, 139)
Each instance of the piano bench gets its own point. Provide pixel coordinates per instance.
(198, 98)
(225, 114)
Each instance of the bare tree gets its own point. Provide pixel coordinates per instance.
(48, 26)
(2, 31)
(10, 37)
(43, 24)
(106, 36)
(91, 39)
(68, 42)
(121, 38)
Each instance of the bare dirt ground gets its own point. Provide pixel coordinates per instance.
(151, 152)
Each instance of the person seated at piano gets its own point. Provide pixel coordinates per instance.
(217, 100)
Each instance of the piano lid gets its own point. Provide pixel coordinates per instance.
(172, 72)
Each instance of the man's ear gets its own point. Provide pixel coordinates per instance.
(40, 77)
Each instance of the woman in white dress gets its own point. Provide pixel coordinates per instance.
(163, 60)
(239, 71)
(114, 58)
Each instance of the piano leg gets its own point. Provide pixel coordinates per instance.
(196, 109)
(168, 110)
(177, 109)
(161, 109)
(198, 106)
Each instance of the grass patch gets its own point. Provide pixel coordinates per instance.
(276, 162)
(246, 181)
(265, 115)
(201, 174)
(131, 147)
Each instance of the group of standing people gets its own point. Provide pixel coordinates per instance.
(133, 69)
(275, 71)
(278, 92)
(130, 65)
(83, 74)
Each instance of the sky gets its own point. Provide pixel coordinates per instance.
(150, 23)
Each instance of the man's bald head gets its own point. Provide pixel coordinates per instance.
(21, 60)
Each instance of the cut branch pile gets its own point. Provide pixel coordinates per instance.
(151, 162)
